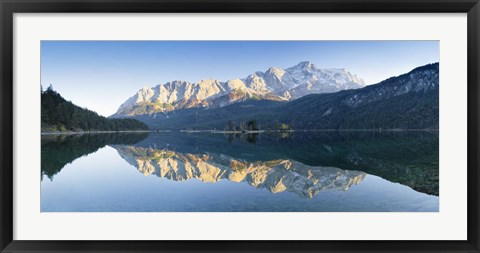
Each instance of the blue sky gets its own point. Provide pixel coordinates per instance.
(100, 75)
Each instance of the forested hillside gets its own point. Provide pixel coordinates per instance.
(57, 114)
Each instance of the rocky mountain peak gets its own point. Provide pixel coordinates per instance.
(274, 84)
(305, 65)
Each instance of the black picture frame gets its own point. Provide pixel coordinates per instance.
(9, 7)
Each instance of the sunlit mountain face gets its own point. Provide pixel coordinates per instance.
(275, 175)
(275, 84)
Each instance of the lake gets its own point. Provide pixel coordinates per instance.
(323, 171)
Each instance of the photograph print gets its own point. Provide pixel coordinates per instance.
(239, 126)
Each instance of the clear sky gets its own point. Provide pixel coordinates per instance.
(100, 75)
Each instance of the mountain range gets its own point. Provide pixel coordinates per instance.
(275, 84)
(301, 97)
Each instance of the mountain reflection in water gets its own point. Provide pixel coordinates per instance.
(296, 166)
(275, 175)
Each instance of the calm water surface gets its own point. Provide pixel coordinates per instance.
(206, 172)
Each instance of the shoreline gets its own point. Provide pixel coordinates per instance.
(95, 132)
(239, 132)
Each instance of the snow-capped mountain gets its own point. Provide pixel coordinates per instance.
(274, 84)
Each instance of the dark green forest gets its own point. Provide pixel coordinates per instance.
(313, 112)
(59, 114)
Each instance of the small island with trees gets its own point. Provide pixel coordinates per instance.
(252, 126)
